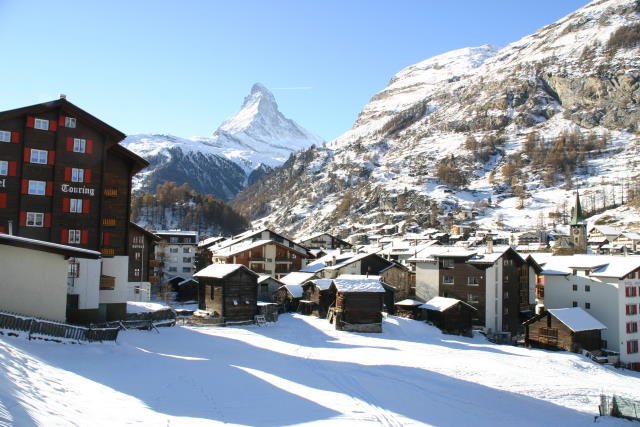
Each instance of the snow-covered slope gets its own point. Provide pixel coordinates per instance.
(256, 139)
(580, 75)
(301, 371)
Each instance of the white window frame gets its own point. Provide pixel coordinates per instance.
(136, 272)
(37, 188)
(79, 145)
(473, 282)
(69, 122)
(35, 219)
(75, 205)
(445, 282)
(75, 236)
(77, 175)
(5, 136)
(4, 167)
(37, 156)
(73, 270)
(41, 124)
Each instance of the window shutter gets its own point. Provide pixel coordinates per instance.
(89, 146)
(12, 167)
(47, 219)
(86, 205)
(64, 236)
(26, 154)
(23, 218)
(25, 186)
(84, 237)
(66, 204)
(3, 200)
(67, 173)
(51, 157)
(49, 188)
(87, 175)
(31, 121)
(2, 229)
(15, 137)
(69, 143)
(53, 125)
(61, 121)
(106, 238)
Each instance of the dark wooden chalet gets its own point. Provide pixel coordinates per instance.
(317, 297)
(399, 276)
(187, 290)
(569, 329)
(267, 286)
(359, 303)
(409, 308)
(288, 297)
(228, 291)
(450, 315)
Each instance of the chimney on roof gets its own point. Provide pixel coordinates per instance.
(63, 96)
(489, 241)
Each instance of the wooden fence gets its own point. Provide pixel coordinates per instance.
(39, 328)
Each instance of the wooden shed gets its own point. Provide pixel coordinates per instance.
(267, 286)
(409, 308)
(450, 315)
(288, 297)
(317, 297)
(569, 329)
(228, 291)
(359, 303)
(187, 290)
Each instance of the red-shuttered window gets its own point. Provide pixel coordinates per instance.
(632, 346)
(106, 238)
(4, 168)
(42, 124)
(630, 291)
(80, 145)
(41, 157)
(76, 205)
(632, 327)
(9, 136)
(631, 309)
(3, 200)
(68, 122)
(77, 174)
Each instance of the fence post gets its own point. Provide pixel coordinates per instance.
(30, 327)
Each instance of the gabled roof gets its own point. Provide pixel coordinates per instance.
(322, 284)
(443, 304)
(144, 231)
(576, 319)
(210, 241)
(68, 108)
(294, 290)
(296, 278)
(409, 302)
(220, 271)
(358, 283)
(54, 248)
(353, 259)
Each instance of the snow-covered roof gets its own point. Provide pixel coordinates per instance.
(294, 290)
(358, 283)
(41, 245)
(296, 278)
(176, 233)
(219, 271)
(607, 230)
(346, 261)
(210, 241)
(322, 284)
(265, 277)
(576, 319)
(613, 266)
(411, 302)
(144, 307)
(442, 304)
(237, 248)
(185, 281)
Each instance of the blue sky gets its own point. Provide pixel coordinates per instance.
(182, 67)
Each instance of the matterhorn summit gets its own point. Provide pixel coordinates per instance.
(245, 146)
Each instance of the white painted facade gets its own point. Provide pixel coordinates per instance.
(86, 284)
(177, 250)
(605, 299)
(33, 283)
(124, 290)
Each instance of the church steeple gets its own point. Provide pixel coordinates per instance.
(576, 218)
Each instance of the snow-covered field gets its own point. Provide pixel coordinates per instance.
(300, 371)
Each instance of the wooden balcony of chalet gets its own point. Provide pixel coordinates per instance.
(257, 258)
(108, 252)
(155, 263)
(107, 283)
(539, 291)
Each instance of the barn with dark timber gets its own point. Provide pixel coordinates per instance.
(359, 303)
(570, 329)
(229, 292)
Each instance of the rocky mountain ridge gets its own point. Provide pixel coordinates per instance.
(579, 76)
(243, 148)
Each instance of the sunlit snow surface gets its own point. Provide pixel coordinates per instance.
(301, 371)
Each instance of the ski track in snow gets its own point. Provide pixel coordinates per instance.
(300, 371)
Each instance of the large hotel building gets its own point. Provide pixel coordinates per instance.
(65, 179)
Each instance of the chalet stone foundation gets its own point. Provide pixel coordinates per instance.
(368, 327)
